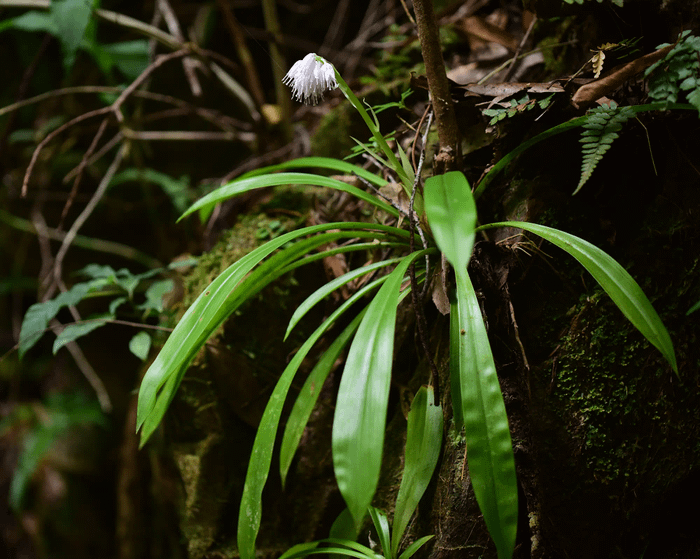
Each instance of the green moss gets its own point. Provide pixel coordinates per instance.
(332, 138)
(616, 396)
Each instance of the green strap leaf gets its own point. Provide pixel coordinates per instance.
(213, 306)
(245, 184)
(489, 447)
(331, 286)
(614, 279)
(423, 443)
(261, 455)
(381, 524)
(451, 212)
(320, 163)
(308, 396)
(360, 413)
(414, 547)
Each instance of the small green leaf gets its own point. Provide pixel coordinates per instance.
(37, 318)
(451, 212)
(71, 18)
(155, 294)
(615, 281)
(140, 345)
(74, 331)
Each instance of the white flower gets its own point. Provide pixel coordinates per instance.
(310, 78)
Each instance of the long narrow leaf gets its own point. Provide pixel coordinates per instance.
(212, 307)
(331, 286)
(451, 212)
(414, 547)
(489, 447)
(308, 396)
(261, 456)
(360, 414)
(381, 524)
(320, 163)
(423, 443)
(614, 279)
(244, 185)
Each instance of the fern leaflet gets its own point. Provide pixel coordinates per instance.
(598, 135)
(677, 73)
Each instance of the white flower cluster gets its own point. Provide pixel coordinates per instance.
(310, 78)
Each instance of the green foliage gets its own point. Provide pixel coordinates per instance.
(104, 281)
(615, 281)
(72, 23)
(516, 106)
(678, 73)
(423, 443)
(363, 396)
(449, 209)
(60, 413)
(600, 131)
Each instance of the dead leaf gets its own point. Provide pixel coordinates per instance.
(589, 93)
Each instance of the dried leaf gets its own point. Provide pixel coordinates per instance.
(589, 93)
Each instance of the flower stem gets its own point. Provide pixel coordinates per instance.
(406, 182)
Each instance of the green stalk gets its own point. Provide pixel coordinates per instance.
(406, 183)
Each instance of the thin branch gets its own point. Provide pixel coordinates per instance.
(188, 64)
(448, 157)
(187, 135)
(244, 54)
(81, 241)
(79, 172)
(51, 136)
(87, 370)
(89, 208)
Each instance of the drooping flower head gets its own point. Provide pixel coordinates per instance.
(309, 78)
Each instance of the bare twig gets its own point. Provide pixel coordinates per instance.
(79, 171)
(118, 137)
(80, 220)
(186, 135)
(512, 68)
(87, 370)
(188, 64)
(272, 24)
(417, 302)
(244, 55)
(81, 241)
(51, 136)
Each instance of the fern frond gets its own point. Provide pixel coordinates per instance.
(599, 132)
(678, 73)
